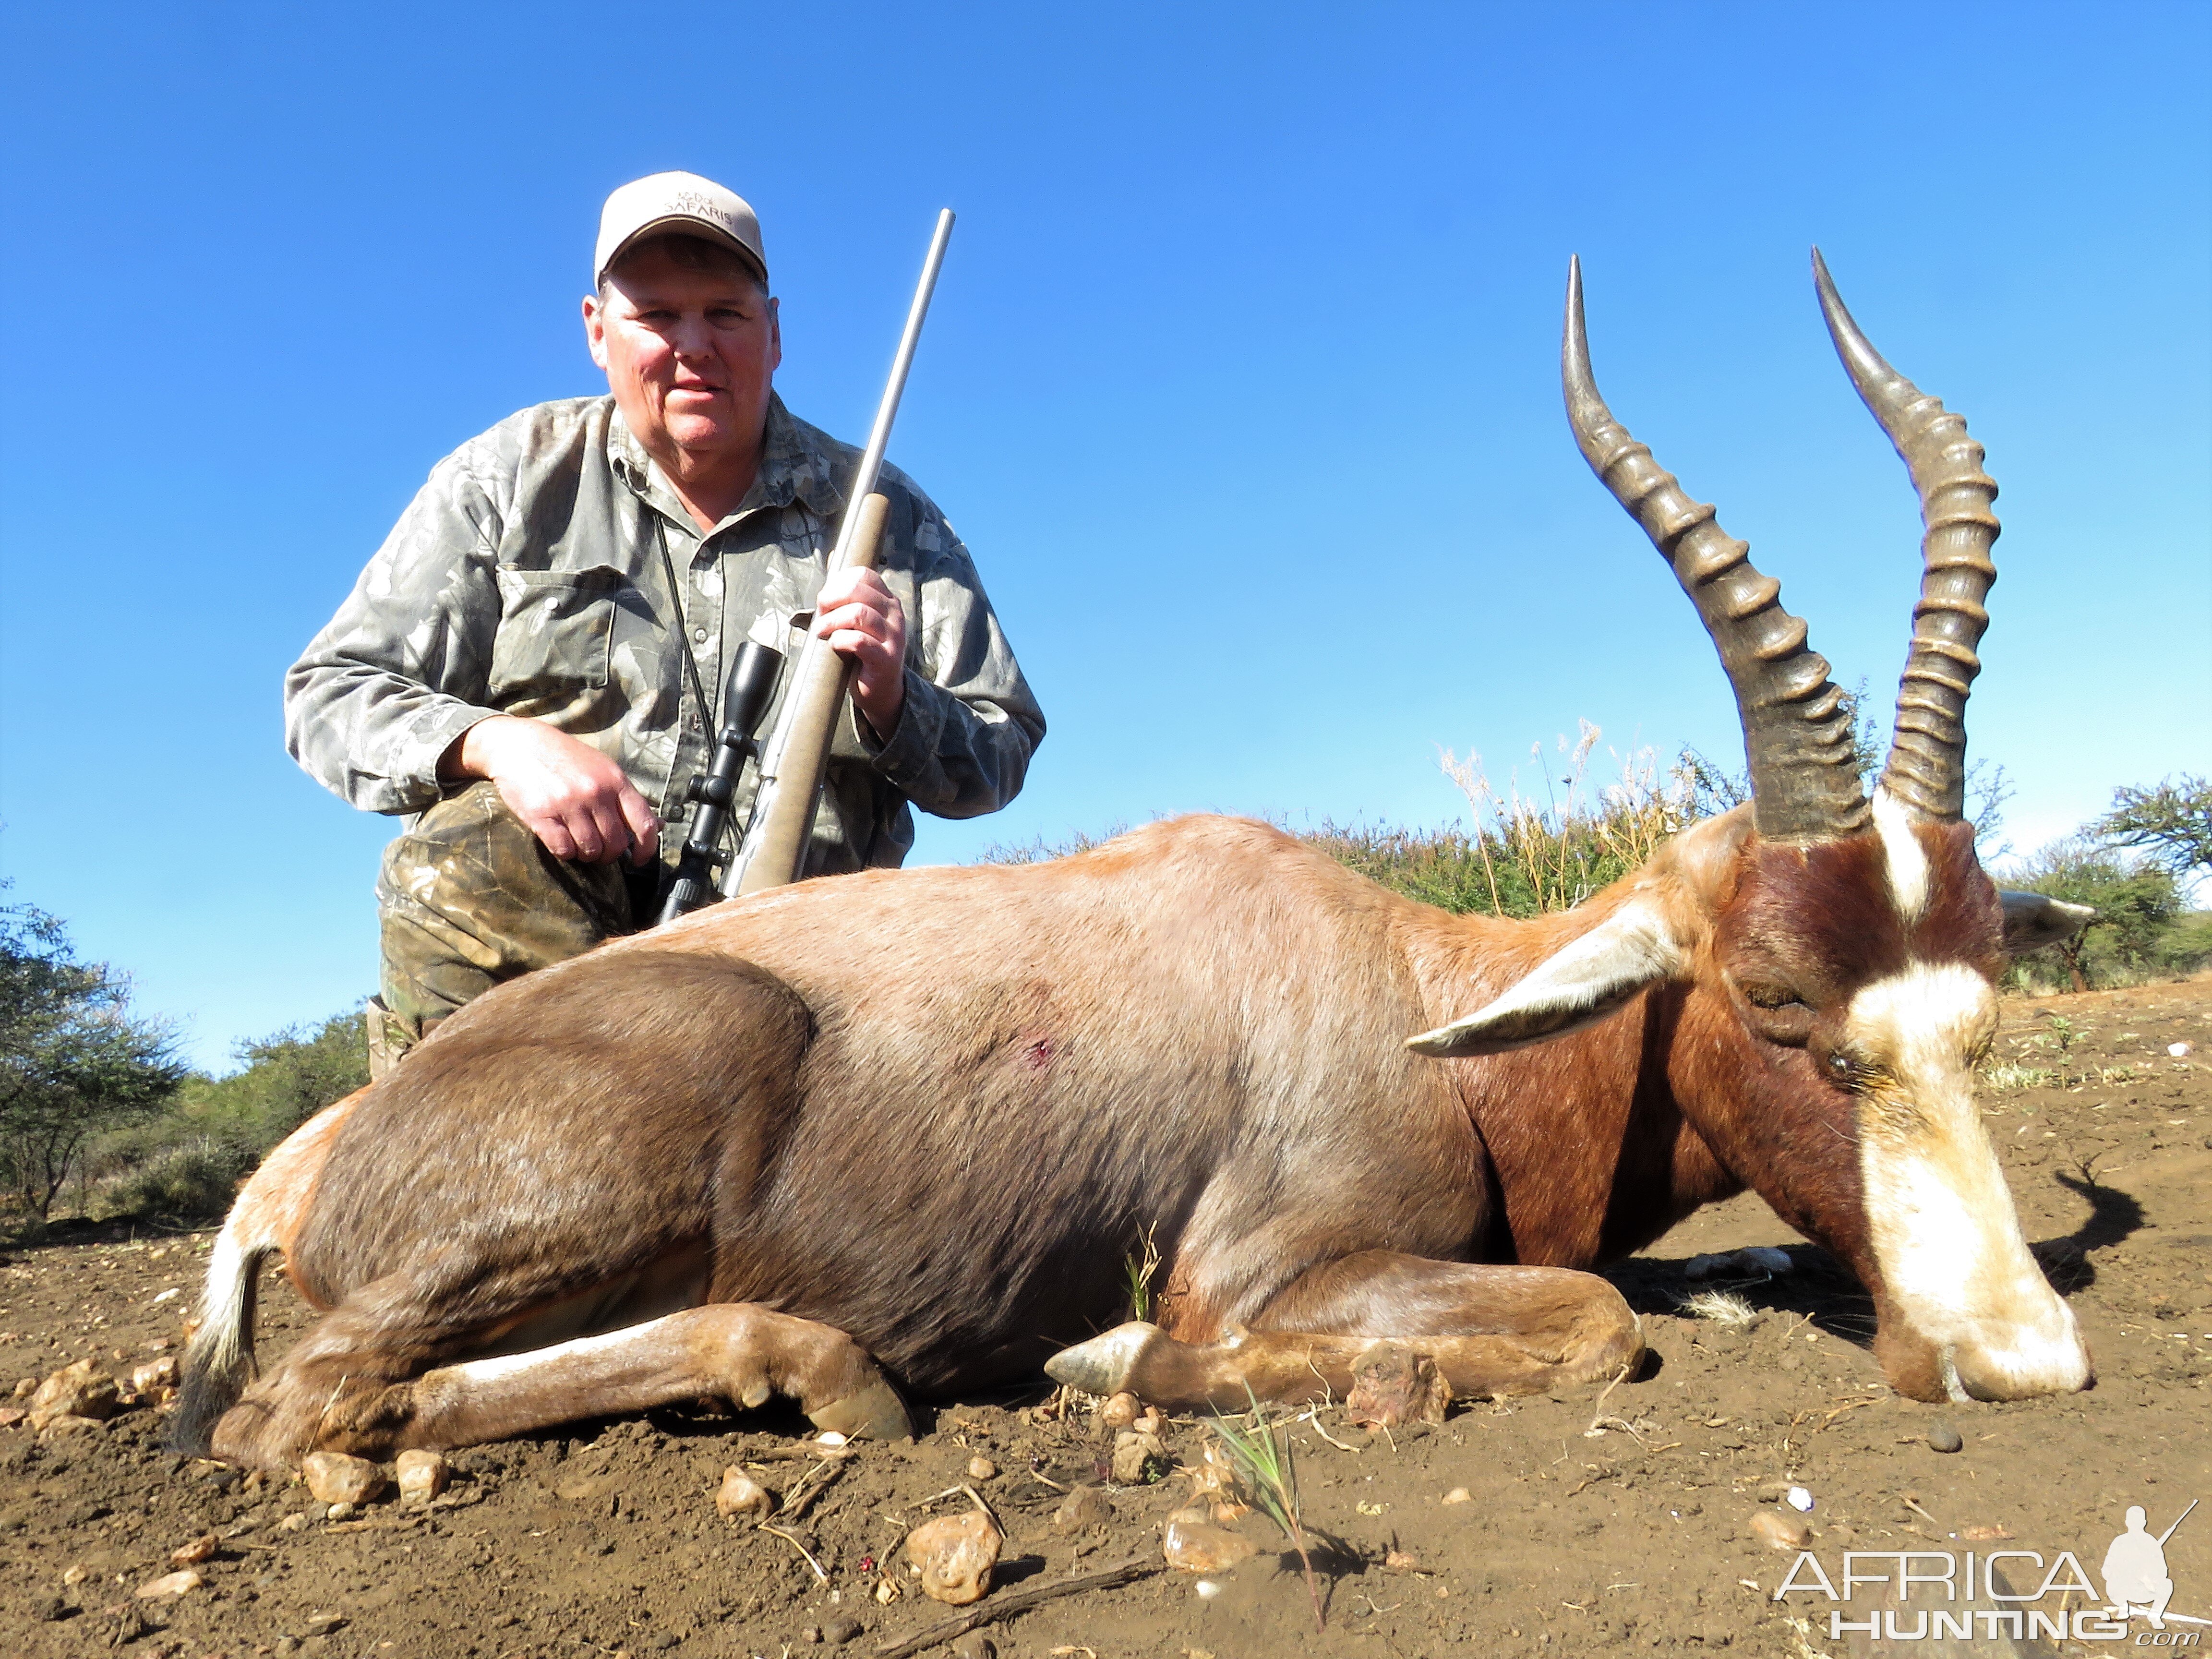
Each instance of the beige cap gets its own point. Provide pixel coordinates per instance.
(679, 202)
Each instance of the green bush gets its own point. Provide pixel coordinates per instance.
(2139, 930)
(76, 1061)
(187, 1181)
(1528, 856)
(188, 1162)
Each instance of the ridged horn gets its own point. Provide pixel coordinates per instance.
(1926, 771)
(1796, 725)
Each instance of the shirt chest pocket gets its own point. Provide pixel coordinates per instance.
(555, 633)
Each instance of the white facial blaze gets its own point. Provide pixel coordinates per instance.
(1907, 858)
(1942, 1222)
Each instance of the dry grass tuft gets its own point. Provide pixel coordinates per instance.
(1721, 1307)
(1531, 853)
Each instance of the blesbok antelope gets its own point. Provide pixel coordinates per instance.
(899, 1128)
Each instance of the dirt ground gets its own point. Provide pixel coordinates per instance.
(604, 1539)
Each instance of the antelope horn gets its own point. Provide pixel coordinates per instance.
(1926, 771)
(1796, 725)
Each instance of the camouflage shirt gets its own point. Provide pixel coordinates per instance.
(526, 578)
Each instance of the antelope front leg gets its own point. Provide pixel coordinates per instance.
(1493, 1332)
(732, 1351)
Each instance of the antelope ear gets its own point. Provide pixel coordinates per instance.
(2033, 919)
(1630, 950)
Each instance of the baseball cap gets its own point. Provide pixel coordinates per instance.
(682, 202)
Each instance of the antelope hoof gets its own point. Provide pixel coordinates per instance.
(876, 1412)
(1106, 1364)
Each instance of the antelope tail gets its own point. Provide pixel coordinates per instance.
(219, 1360)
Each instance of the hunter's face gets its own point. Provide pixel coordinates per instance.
(690, 355)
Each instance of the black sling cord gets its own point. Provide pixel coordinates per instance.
(683, 638)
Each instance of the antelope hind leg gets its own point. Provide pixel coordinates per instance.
(734, 1350)
(1493, 1332)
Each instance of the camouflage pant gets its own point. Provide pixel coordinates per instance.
(470, 898)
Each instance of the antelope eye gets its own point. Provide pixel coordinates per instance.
(1772, 996)
(1840, 1068)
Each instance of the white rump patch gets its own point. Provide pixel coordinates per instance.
(1628, 951)
(1907, 858)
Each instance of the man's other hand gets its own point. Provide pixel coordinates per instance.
(572, 797)
(864, 623)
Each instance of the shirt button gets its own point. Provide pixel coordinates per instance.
(699, 636)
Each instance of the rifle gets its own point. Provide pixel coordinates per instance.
(745, 700)
(772, 851)
(2176, 1527)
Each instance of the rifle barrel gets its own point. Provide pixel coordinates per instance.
(749, 871)
(879, 435)
(2178, 1520)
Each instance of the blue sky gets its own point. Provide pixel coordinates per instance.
(1242, 381)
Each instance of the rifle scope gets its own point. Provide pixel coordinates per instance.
(745, 700)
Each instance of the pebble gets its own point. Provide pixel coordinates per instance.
(973, 1645)
(341, 1511)
(1082, 1509)
(1459, 1495)
(982, 1469)
(2180, 1050)
(170, 1583)
(1118, 1411)
(337, 1478)
(1400, 1561)
(294, 1521)
(157, 1377)
(1134, 1450)
(740, 1494)
(421, 1475)
(191, 1554)
(838, 1632)
(1753, 1259)
(1778, 1531)
(1799, 1499)
(1195, 1547)
(1943, 1437)
(956, 1553)
(73, 1391)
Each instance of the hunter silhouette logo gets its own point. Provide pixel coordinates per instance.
(2136, 1579)
(1987, 1594)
